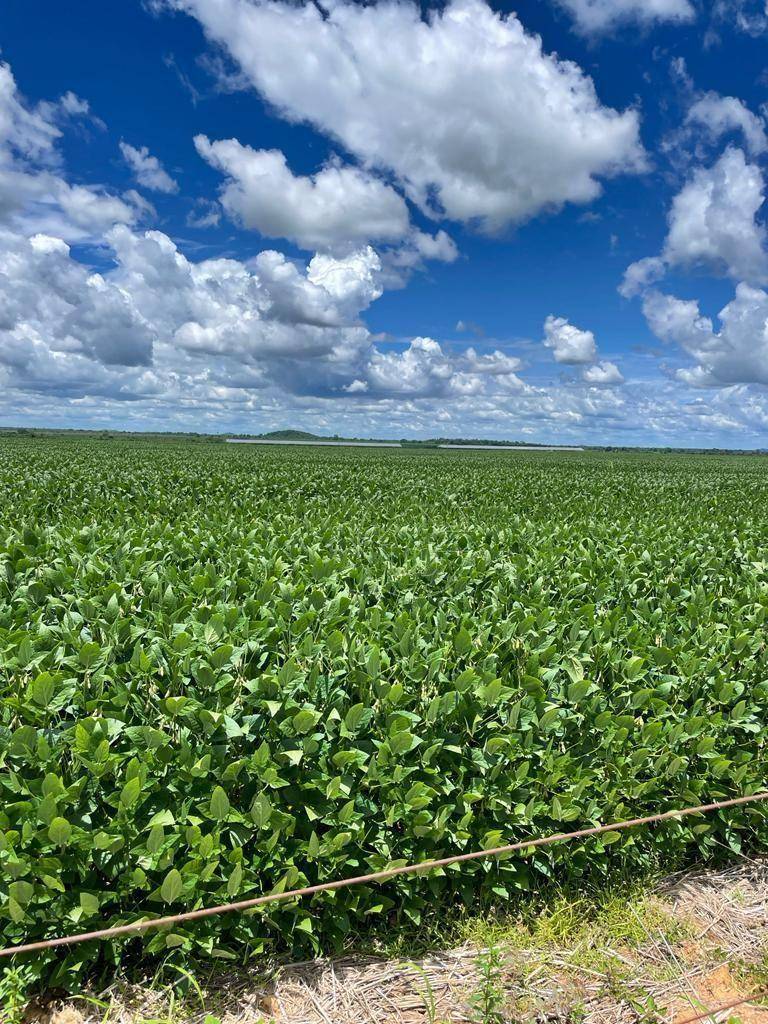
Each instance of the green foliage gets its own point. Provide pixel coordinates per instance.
(14, 985)
(229, 672)
(488, 999)
(425, 990)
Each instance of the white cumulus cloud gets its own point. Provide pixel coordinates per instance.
(34, 196)
(604, 372)
(336, 207)
(640, 274)
(737, 353)
(24, 131)
(439, 246)
(147, 169)
(495, 363)
(155, 295)
(526, 131)
(422, 369)
(718, 115)
(51, 301)
(713, 220)
(155, 327)
(569, 344)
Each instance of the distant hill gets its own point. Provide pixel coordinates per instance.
(290, 435)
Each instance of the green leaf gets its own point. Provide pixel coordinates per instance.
(633, 668)
(60, 831)
(401, 742)
(89, 903)
(15, 910)
(608, 838)
(235, 880)
(354, 717)
(89, 654)
(261, 810)
(42, 689)
(462, 642)
(641, 698)
(219, 804)
(577, 691)
(172, 886)
(22, 892)
(492, 691)
(156, 838)
(23, 741)
(575, 670)
(304, 720)
(130, 793)
(549, 718)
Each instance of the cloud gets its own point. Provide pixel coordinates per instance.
(33, 194)
(338, 207)
(74, 105)
(640, 274)
(43, 202)
(356, 387)
(54, 304)
(748, 16)
(224, 305)
(157, 319)
(421, 369)
(147, 169)
(24, 132)
(399, 262)
(226, 78)
(157, 326)
(351, 280)
(424, 370)
(603, 372)
(709, 118)
(735, 354)
(206, 214)
(144, 209)
(569, 344)
(439, 246)
(718, 115)
(712, 222)
(157, 339)
(173, 65)
(594, 17)
(64, 326)
(160, 326)
(495, 363)
(713, 226)
(526, 131)
(575, 347)
(66, 108)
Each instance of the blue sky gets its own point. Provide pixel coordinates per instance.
(236, 215)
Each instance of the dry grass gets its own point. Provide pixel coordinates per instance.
(700, 940)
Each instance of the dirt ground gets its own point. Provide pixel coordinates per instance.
(699, 942)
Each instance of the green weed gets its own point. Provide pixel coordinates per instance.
(488, 1000)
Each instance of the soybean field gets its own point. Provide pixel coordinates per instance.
(226, 670)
